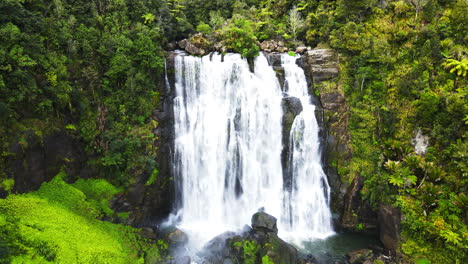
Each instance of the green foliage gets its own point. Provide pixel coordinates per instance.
(57, 224)
(7, 184)
(153, 177)
(249, 250)
(422, 261)
(204, 28)
(99, 192)
(267, 260)
(94, 67)
(239, 37)
(458, 67)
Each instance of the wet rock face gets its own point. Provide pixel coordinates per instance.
(292, 107)
(389, 219)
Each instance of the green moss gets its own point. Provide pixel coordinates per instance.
(57, 224)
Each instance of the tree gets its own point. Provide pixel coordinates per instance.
(418, 6)
(296, 23)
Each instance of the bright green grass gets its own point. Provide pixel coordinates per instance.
(57, 224)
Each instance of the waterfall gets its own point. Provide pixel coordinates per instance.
(306, 212)
(228, 146)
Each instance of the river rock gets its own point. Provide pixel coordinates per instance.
(359, 256)
(264, 222)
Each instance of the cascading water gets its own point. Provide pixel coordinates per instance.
(306, 212)
(228, 147)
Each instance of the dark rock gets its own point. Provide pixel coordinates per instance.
(280, 251)
(177, 237)
(389, 218)
(332, 101)
(217, 249)
(229, 247)
(292, 107)
(40, 159)
(171, 46)
(280, 75)
(264, 222)
(356, 209)
(359, 256)
(149, 233)
(274, 59)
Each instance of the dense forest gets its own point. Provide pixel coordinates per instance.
(92, 70)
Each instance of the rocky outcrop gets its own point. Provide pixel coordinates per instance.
(36, 160)
(322, 65)
(389, 227)
(197, 45)
(254, 244)
(273, 46)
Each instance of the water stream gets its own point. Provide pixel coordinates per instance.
(228, 149)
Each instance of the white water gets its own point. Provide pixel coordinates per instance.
(228, 147)
(306, 212)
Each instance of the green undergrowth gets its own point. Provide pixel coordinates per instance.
(58, 224)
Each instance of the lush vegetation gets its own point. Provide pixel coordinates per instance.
(59, 224)
(92, 69)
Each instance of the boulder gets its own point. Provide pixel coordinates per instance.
(301, 50)
(217, 249)
(359, 256)
(177, 237)
(182, 44)
(260, 241)
(264, 222)
(194, 50)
